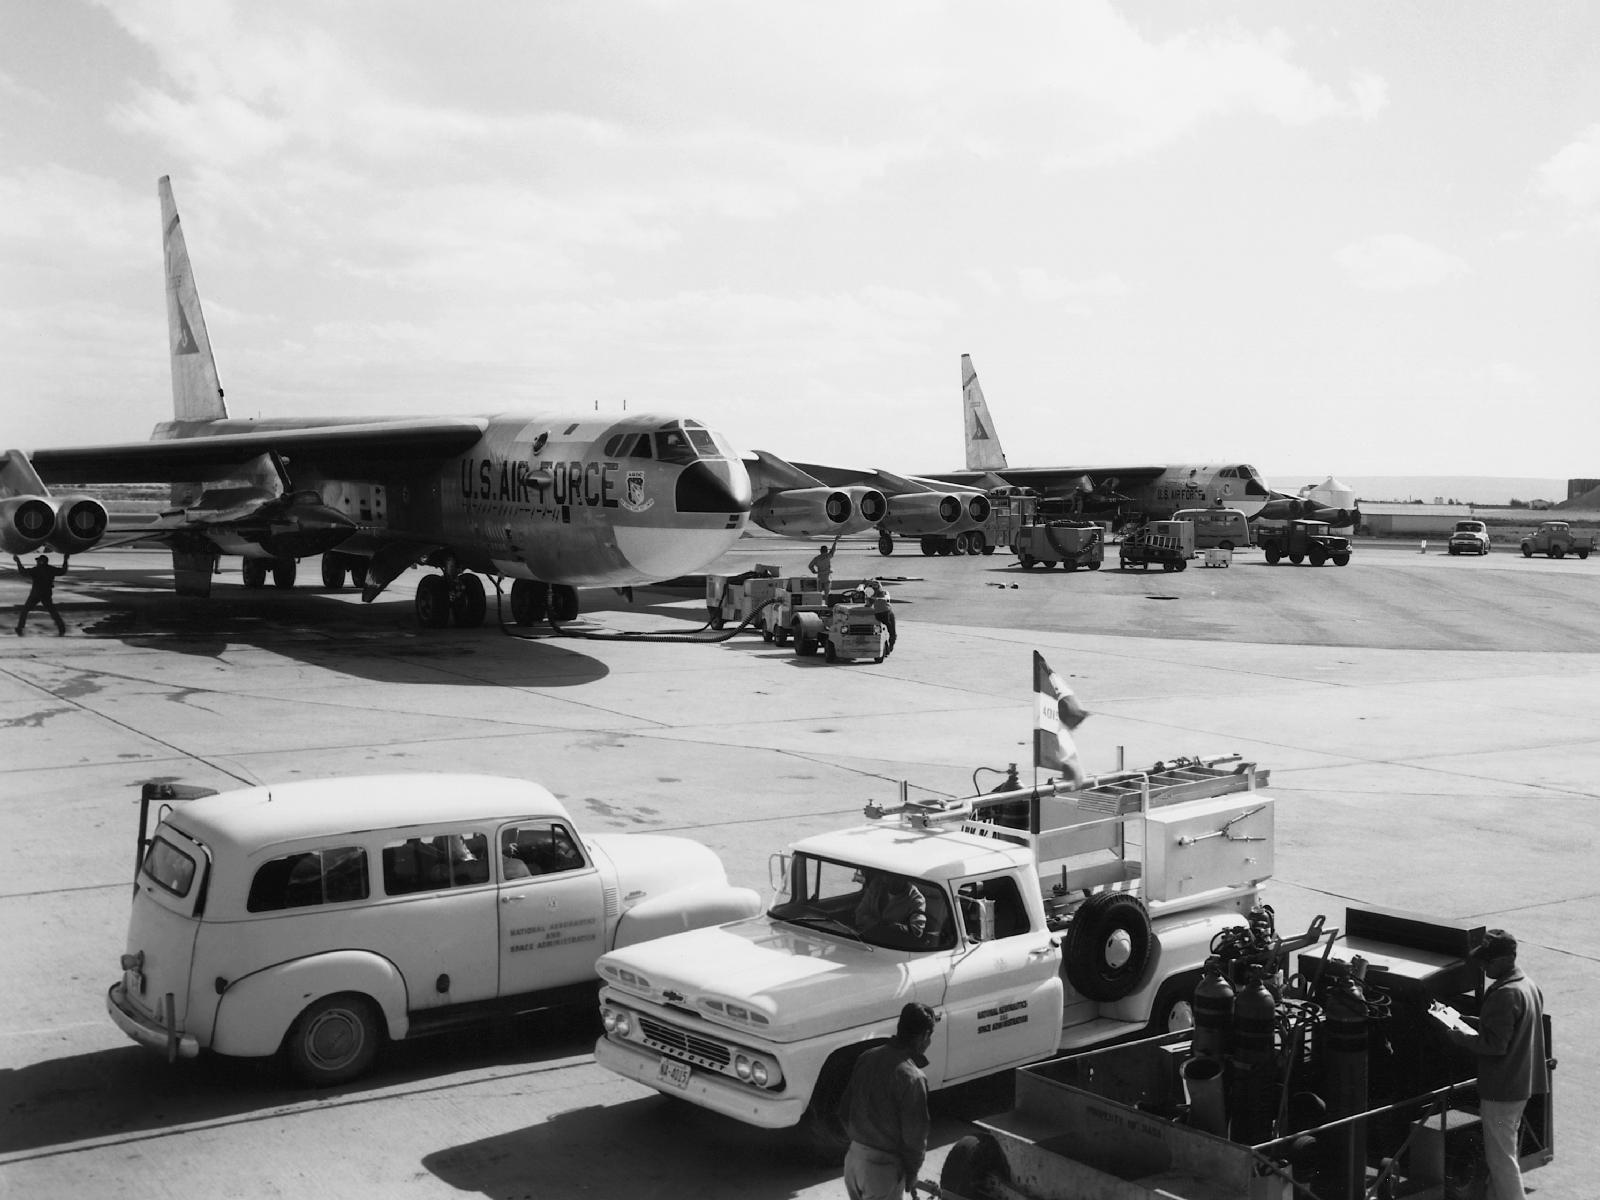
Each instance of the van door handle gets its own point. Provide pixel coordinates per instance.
(507, 898)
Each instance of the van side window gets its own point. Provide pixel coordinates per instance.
(539, 848)
(1010, 913)
(431, 864)
(334, 876)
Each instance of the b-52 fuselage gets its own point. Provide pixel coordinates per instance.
(551, 501)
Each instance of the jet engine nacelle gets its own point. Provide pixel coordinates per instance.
(1307, 510)
(26, 523)
(978, 508)
(820, 511)
(80, 522)
(929, 511)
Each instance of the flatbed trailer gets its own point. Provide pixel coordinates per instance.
(1327, 1113)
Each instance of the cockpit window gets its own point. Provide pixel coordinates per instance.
(672, 446)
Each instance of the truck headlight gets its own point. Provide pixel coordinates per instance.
(758, 1073)
(616, 1022)
(742, 1068)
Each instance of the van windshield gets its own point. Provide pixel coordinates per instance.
(168, 867)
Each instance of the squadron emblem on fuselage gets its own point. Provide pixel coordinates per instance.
(633, 496)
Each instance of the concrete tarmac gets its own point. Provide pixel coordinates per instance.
(1432, 726)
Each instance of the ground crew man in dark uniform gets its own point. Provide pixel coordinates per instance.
(885, 1111)
(1513, 1061)
(882, 610)
(42, 593)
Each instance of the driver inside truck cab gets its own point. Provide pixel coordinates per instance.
(894, 912)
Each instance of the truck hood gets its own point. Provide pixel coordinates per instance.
(803, 984)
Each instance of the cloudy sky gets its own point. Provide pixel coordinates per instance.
(1353, 239)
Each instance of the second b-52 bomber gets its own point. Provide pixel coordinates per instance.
(552, 501)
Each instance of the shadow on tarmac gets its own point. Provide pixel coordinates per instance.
(673, 1150)
(130, 1093)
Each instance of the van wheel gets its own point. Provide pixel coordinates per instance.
(333, 1041)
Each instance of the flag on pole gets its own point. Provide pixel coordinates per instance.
(1056, 714)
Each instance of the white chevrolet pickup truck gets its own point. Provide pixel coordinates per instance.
(1033, 920)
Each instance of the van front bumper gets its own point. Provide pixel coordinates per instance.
(741, 1102)
(145, 1031)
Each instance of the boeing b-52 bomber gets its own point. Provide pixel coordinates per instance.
(552, 501)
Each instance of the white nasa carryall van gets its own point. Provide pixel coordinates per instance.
(315, 919)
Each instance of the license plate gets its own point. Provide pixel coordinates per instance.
(675, 1073)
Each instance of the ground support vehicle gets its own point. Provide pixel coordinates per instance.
(735, 599)
(1469, 537)
(781, 618)
(1073, 544)
(1557, 539)
(1303, 541)
(1321, 1076)
(1045, 919)
(847, 630)
(1170, 543)
(1218, 556)
(317, 919)
(1217, 528)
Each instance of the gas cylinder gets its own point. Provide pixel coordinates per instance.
(1255, 1027)
(1345, 1070)
(1213, 1011)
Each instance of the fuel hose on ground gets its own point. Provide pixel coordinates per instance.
(704, 634)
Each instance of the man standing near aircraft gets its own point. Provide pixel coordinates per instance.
(822, 567)
(42, 593)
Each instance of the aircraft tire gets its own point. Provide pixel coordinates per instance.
(529, 601)
(563, 603)
(885, 544)
(974, 542)
(332, 571)
(254, 571)
(358, 572)
(433, 602)
(283, 573)
(469, 605)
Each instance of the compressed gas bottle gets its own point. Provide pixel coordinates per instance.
(1255, 1026)
(1345, 1048)
(1213, 1011)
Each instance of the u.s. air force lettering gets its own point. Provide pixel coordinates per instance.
(574, 482)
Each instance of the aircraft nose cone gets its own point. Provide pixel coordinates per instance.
(720, 486)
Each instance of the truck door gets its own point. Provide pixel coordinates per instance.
(552, 908)
(1003, 1003)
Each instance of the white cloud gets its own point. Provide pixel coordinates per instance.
(1036, 284)
(1571, 177)
(1396, 262)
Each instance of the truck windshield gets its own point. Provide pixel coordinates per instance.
(878, 907)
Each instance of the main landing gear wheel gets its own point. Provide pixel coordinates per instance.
(254, 571)
(283, 572)
(468, 603)
(332, 571)
(563, 603)
(530, 601)
(433, 602)
(358, 572)
(885, 544)
(335, 1039)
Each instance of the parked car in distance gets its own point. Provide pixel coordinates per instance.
(1469, 537)
(319, 919)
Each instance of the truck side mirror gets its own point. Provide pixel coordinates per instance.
(778, 873)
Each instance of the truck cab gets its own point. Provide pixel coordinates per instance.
(1032, 920)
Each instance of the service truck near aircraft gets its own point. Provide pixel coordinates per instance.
(1043, 919)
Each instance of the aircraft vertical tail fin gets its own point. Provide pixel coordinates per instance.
(983, 444)
(196, 392)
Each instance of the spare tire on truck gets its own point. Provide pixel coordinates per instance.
(1108, 946)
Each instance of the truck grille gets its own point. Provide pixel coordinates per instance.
(684, 1044)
